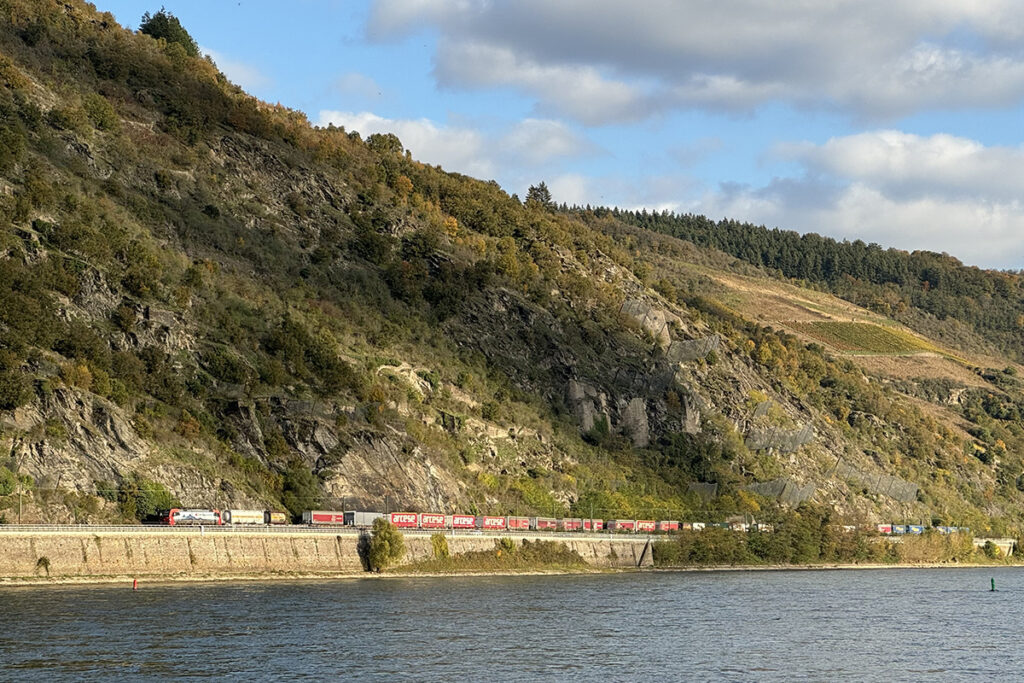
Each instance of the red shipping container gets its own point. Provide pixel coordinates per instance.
(463, 522)
(593, 525)
(405, 520)
(493, 523)
(885, 528)
(645, 525)
(431, 520)
(519, 523)
(544, 523)
(570, 524)
(668, 526)
(324, 517)
(620, 525)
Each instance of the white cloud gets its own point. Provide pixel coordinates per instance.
(245, 75)
(520, 151)
(539, 141)
(571, 189)
(358, 85)
(940, 193)
(580, 92)
(606, 61)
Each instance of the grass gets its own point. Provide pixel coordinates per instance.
(860, 337)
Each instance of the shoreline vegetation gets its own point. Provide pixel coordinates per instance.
(401, 573)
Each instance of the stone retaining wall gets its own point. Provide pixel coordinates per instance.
(170, 555)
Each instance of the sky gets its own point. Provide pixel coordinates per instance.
(891, 122)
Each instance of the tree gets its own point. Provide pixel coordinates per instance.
(539, 194)
(387, 545)
(165, 25)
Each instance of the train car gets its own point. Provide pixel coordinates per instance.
(570, 524)
(360, 518)
(763, 528)
(686, 526)
(899, 529)
(739, 526)
(242, 516)
(272, 517)
(645, 526)
(489, 523)
(405, 520)
(668, 525)
(462, 522)
(323, 517)
(179, 517)
(884, 528)
(433, 520)
(915, 529)
(593, 524)
(698, 526)
(518, 523)
(620, 525)
(543, 523)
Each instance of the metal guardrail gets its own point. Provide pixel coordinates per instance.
(199, 530)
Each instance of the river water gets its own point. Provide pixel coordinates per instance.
(858, 625)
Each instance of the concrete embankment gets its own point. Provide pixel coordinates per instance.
(166, 554)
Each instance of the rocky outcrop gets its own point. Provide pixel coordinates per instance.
(634, 422)
(72, 439)
(588, 405)
(654, 320)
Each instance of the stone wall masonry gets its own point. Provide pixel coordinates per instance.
(62, 555)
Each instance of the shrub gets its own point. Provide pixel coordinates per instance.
(387, 545)
(439, 544)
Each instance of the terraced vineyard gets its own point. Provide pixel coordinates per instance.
(861, 337)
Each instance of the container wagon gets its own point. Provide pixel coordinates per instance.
(432, 520)
(543, 523)
(490, 523)
(177, 516)
(405, 520)
(519, 523)
(645, 525)
(463, 522)
(243, 516)
(570, 524)
(668, 525)
(323, 517)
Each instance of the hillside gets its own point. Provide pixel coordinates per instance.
(204, 299)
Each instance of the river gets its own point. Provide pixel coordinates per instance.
(857, 625)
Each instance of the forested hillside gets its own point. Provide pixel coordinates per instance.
(933, 293)
(204, 299)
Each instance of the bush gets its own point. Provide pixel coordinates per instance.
(439, 543)
(387, 545)
(141, 499)
(301, 491)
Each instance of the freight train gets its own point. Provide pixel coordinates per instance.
(438, 521)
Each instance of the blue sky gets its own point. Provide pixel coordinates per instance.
(897, 123)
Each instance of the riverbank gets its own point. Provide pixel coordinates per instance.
(401, 573)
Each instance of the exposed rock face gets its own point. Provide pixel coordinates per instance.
(692, 349)
(76, 439)
(654, 320)
(588, 405)
(634, 422)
